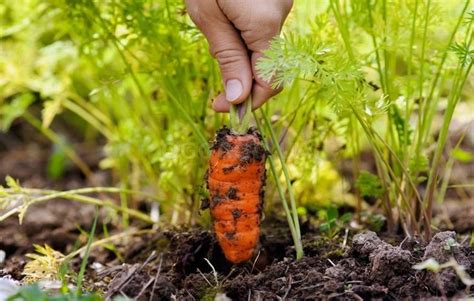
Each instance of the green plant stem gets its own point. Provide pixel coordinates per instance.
(383, 72)
(374, 42)
(291, 195)
(409, 86)
(421, 82)
(90, 108)
(386, 57)
(289, 217)
(57, 140)
(76, 195)
(373, 135)
(422, 130)
(423, 127)
(343, 28)
(461, 77)
(380, 163)
(124, 204)
(82, 270)
(408, 107)
(447, 173)
(433, 173)
(434, 85)
(240, 124)
(356, 164)
(88, 116)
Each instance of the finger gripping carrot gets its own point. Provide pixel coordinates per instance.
(236, 180)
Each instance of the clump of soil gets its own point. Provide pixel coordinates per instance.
(443, 247)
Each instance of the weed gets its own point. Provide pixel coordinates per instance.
(333, 223)
(433, 266)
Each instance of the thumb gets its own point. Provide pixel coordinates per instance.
(226, 45)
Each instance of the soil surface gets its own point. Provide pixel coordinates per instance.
(370, 268)
(188, 264)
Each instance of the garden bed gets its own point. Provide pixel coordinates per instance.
(180, 264)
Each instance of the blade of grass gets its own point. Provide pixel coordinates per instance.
(447, 171)
(80, 276)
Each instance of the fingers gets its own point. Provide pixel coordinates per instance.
(259, 96)
(259, 21)
(261, 89)
(261, 92)
(226, 45)
(235, 28)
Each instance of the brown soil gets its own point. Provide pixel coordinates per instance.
(173, 263)
(370, 268)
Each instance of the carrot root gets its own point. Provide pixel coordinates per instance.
(236, 180)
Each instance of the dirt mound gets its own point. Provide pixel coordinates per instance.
(371, 268)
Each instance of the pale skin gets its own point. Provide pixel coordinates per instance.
(238, 31)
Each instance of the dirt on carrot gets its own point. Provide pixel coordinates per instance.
(236, 180)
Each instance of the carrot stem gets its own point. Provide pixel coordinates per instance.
(240, 116)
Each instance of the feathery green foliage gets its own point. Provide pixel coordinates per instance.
(384, 86)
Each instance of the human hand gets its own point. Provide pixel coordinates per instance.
(238, 31)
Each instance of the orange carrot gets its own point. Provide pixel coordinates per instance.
(235, 179)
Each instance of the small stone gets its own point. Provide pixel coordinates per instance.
(8, 287)
(3, 255)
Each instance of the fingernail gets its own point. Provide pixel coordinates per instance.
(233, 89)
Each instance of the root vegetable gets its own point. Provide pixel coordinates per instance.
(236, 180)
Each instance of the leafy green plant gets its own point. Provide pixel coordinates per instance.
(387, 82)
(43, 265)
(151, 113)
(333, 223)
(369, 185)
